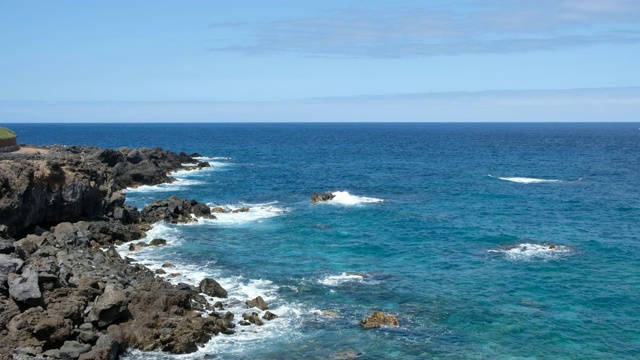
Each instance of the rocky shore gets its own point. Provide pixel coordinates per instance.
(65, 292)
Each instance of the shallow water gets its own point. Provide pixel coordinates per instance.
(418, 229)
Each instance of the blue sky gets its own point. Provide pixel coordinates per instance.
(242, 60)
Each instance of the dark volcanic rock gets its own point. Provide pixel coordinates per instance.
(212, 288)
(318, 197)
(258, 302)
(175, 210)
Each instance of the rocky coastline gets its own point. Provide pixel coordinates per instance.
(65, 292)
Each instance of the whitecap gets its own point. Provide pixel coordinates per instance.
(531, 251)
(337, 280)
(177, 185)
(345, 198)
(255, 213)
(526, 180)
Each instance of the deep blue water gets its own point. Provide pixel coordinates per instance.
(463, 259)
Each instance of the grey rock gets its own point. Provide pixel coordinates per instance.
(108, 307)
(24, 288)
(73, 349)
(9, 264)
(319, 197)
(269, 315)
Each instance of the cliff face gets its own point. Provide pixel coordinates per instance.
(49, 191)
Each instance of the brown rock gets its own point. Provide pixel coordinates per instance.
(378, 319)
(258, 302)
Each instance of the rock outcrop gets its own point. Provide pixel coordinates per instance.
(65, 292)
(377, 319)
(319, 197)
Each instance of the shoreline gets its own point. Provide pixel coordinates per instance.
(64, 289)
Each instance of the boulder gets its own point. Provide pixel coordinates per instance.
(158, 242)
(258, 302)
(24, 288)
(319, 197)
(9, 264)
(269, 316)
(73, 349)
(108, 307)
(253, 318)
(377, 319)
(6, 246)
(212, 288)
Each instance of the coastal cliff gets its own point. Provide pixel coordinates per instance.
(64, 290)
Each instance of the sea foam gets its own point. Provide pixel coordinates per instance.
(532, 251)
(345, 198)
(526, 180)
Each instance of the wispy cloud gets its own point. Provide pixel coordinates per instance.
(599, 105)
(473, 26)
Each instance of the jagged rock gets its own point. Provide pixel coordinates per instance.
(24, 288)
(108, 307)
(73, 349)
(158, 242)
(319, 197)
(258, 302)
(378, 319)
(9, 264)
(175, 210)
(212, 288)
(269, 316)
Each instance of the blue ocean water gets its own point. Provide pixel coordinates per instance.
(487, 241)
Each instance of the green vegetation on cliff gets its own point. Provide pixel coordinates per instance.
(6, 133)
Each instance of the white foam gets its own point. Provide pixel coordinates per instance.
(344, 198)
(530, 251)
(337, 280)
(256, 213)
(189, 171)
(179, 184)
(525, 180)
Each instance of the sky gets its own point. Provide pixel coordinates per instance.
(321, 61)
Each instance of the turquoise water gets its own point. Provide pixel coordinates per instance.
(422, 231)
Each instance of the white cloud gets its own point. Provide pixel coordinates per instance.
(469, 27)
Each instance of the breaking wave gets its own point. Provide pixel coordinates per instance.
(532, 251)
(344, 198)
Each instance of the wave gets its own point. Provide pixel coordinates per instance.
(179, 184)
(531, 251)
(189, 171)
(344, 198)
(525, 180)
(244, 213)
(337, 280)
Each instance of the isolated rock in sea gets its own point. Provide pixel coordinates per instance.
(319, 197)
(258, 302)
(212, 288)
(158, 242)
(269, 315)
(253, 318)
(378, 319)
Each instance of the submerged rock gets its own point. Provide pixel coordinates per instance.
(378, 319)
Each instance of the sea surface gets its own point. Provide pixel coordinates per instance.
(487, 241)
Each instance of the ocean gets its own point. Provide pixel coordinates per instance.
(486, 241)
